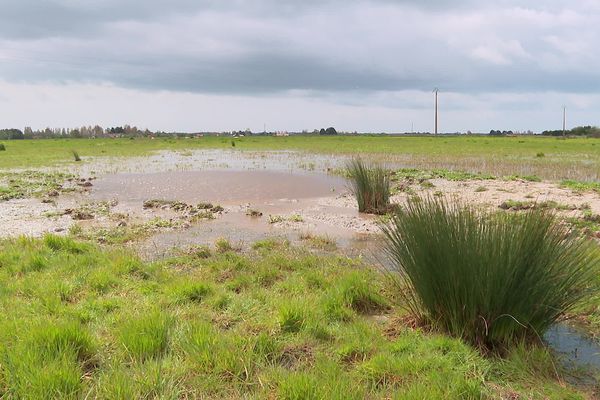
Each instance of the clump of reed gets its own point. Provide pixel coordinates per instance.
(2, 147)
(493, 279)
(75, 155)
(370, 184)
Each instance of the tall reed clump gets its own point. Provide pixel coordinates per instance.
(76, 155)
(2, 147)
(370, 184)
(493, 279)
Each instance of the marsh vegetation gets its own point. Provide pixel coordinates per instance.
(370, 184)
(492, 279)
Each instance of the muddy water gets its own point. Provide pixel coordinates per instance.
(262, 187)
(225, 187)
(242, 230)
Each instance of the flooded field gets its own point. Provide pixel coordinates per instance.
(185, 202)
(257, 203)
(264, 193)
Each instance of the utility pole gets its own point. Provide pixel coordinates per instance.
(436, 90)
(564, 120)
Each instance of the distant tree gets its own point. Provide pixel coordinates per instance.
(11, 134)
(117, 130)
(97, 131)
(329, 131)
(28, 132)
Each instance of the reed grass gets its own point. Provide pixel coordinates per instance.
(371, 185)
(75, 155)
(493, 279)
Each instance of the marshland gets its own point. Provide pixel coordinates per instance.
(301, 267)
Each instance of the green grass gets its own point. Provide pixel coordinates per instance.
(517, 205)
(577, 186)
(588, 224)
(278, 322)
(146, 336)
(499, 156)
(17, 185)
(442, 173)
(320, 242)
(127, 233)
(467, 270)
(370, 184)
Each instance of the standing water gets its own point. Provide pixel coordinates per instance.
(578, 353)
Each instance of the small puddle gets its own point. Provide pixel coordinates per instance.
(579, 353)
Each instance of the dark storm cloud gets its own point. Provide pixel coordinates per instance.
(270, 46)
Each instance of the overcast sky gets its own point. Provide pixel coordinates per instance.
(193, 65)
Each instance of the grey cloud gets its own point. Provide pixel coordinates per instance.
(42, 18)
(273, 46)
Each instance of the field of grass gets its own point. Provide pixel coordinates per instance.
(546, 157)
(278, 322)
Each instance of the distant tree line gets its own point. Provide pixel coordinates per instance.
(81, 132)
(500, 133)
(11, 134)
(591, 131)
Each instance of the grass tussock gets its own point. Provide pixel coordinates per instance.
(490, 278)
(75, 155)
(145, 337)
(371, 186)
